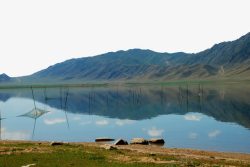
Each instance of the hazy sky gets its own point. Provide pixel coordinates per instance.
(37, 33)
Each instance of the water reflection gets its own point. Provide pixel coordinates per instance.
(1, 125)
(138, 103)
(204, 113)
(35, 113)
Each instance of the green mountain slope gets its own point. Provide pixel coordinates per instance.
(225, 60)
(227, 53)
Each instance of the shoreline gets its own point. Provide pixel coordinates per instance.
(120, 146)
(124, 154)
(87, 84)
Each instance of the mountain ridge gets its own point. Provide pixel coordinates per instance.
(225, 60)
(4, 78)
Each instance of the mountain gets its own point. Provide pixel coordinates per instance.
(226, 53)
(4, 78)
(121, 65)
(226, 60)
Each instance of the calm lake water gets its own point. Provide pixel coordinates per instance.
(186, 116)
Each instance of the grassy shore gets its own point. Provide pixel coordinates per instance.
(24, 153)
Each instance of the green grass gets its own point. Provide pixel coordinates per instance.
(62, 156)
(128, 83)
(14, 154)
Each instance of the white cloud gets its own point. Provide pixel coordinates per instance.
(154, 132)
(76, 118)
(14, 135)
(85, 122)
(54, 121)
(214, 134)
(192, 135)
(102, 122)
(124, 122)
(192, 117)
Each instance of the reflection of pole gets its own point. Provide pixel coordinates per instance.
(180, 97)
(33, 96)
(202, 90)
(33, 132)
(0, 126)
(129, 98)
(34, 100)
(133, 94)
(45, 95)
(61, 97)
(187, 97)
(107, 101)
(66, 98)
(163, 99)
(89, 102)
(200, 96)
(117, 98)
(107, 98)
(161, 95)
(139, 96)
(45, 98)
(65, 105)
(34, 127)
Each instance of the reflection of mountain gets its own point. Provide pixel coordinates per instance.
(4, 97)
(227, 104)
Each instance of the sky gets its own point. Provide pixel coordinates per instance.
(35, 34)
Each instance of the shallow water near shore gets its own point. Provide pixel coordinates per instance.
(209, 117)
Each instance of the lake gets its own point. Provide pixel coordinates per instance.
(209, 117)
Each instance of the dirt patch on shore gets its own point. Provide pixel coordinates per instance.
(207, 156)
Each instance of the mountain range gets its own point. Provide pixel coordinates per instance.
(226, 60)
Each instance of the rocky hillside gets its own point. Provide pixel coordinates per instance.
(225, 60)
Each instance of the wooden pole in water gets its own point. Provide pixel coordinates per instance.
(35, 107)
(34, 127)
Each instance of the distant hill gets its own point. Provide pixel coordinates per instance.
(4, 78)
(225, 60)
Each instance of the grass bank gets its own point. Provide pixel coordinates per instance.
(24, 153)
